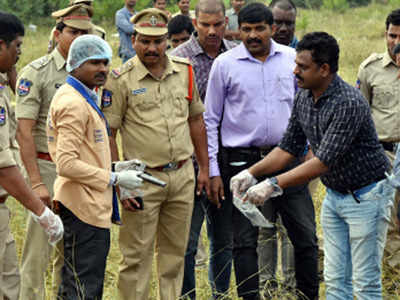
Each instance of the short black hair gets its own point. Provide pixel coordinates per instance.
(60, 26)
(324, 49)
(283, 4)
(393, 18)
(10, 27)
(179, 24)
(209, 7)
(255, 12)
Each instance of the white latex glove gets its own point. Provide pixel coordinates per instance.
(129, 179)
(129, 194)
(261, 192)
(133, 164)
(51, 224)
(241, 182)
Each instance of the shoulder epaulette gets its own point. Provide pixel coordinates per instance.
(123, 69)
(40, 62)
(373, 57)
(181, 60)
(116, 72)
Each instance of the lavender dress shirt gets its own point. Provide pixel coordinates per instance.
(252, 100)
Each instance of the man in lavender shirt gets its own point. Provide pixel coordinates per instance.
(202, 49)
(249, 100)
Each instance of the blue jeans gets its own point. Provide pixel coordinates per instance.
(354, 239)
(219, 231)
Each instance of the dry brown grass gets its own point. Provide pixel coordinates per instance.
(359, 32)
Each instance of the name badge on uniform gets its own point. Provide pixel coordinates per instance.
(106, 98)
(98, 136)
(2, 116)
(139, 91)
(24, 87)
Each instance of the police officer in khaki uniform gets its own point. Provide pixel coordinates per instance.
(9, 285)
(11, 179)
(156, 107)
(97, 30)
(36, 86)
(378, 82)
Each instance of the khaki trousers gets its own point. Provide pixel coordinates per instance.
(164, 223)
(9, 273)
(37, 252)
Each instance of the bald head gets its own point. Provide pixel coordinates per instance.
(285, 5)
(210, 7)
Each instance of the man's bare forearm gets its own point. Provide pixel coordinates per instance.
(275, 161)
(13, 182)
(199, 140)
(28, 152)
(303, 173)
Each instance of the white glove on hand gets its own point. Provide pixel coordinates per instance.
(133, 164)
(51, 224)
(261, 192)
(241, 182)
(129, 194)
(129, 179)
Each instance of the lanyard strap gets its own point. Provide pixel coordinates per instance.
(78, 86)
(115, 217)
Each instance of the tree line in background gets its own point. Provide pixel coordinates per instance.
(30, 10)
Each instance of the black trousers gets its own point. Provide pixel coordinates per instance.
(85, 252)
(297, 211)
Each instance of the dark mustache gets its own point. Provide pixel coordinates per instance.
(253, 41)
(100, 75)
(151, 54)
(299, 77)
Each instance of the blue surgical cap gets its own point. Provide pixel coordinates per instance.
(87, 47)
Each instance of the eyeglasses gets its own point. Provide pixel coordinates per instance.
(279, 23)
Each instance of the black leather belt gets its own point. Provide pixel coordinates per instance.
(353, 192)
(253, 151)
(388, 146)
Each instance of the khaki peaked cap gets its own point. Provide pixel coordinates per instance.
(77, 16)
(151, 21)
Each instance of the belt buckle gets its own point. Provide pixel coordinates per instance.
(171, 166)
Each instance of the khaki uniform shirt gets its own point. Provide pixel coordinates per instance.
(152, 114)
(378, 82)
(79, 146)
(7, 126)
(9, 149)
(36, 86)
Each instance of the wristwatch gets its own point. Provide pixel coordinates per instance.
(277, 189)
(273, 180)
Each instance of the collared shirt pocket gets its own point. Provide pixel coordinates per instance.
(286, 89)
(145, 108)
(181, 106)
(384, 96)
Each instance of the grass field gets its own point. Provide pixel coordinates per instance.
(359, 31)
